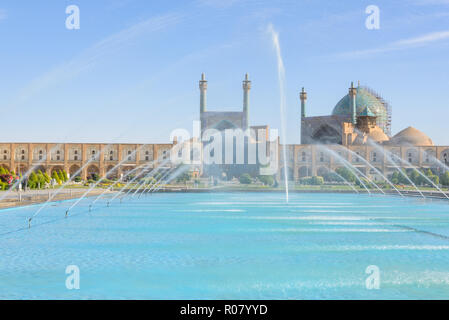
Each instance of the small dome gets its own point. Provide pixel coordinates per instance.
(411, 136)
(378, 135)
(375, 135)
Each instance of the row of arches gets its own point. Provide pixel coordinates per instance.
(411, 155)
(306, 171)
(74, 170)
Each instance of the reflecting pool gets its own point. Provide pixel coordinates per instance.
(229, 246)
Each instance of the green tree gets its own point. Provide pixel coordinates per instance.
(395, 178)
(45, 175)
(55, 176)
(317, 180)
(61, 176)
(32, 181)
(435, 179)
(64, 174)
(245, 179)
(346, 174)
(184, 177)
(415, 177)
(266, 180)
(41, 179)
(445, 179)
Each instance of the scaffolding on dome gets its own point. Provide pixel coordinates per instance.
(386, 123)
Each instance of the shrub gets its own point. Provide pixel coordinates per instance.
(184, 177)
(245, 179)
(314, 181)
(444, 179)
(40, 179)
(32, 181)
(267, 180)
(65, 176)
(346, 174)
(55, 176)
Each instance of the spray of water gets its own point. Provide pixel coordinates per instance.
(172, 176)
(153, 183)
(281, 76)
(421, 174)
(376, 170)
(30, 170)
(112, 185)
(343, 179)
(131, 181)
(388, 154)
(349, 166)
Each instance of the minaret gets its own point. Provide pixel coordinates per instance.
(353, 103)
(246, 88)
(303, 97)
(203, 93)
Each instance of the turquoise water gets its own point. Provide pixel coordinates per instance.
(229, 246)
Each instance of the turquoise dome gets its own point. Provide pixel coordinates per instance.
(367, 102)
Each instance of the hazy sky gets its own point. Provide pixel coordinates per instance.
(130, 73)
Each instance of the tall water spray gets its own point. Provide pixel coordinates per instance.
(281, 76)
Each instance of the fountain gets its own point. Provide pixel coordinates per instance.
(421, 174)
(29, 171)
(282, 105)
(177, 172)
(375, 169)
(126, 185)
(343, 179)
(110, 188)
(50, 198)
(348, 166)
(387, 155)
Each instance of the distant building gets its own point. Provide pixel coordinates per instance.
(356, 134)
(224, 120)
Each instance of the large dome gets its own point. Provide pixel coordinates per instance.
(411, 137)
(366, 99)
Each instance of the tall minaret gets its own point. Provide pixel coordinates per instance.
(353, 103)
(203, 93)
(303, 97)
(246, 88)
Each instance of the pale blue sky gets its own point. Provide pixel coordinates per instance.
(131, 72)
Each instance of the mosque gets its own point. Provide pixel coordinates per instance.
(357, 133)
